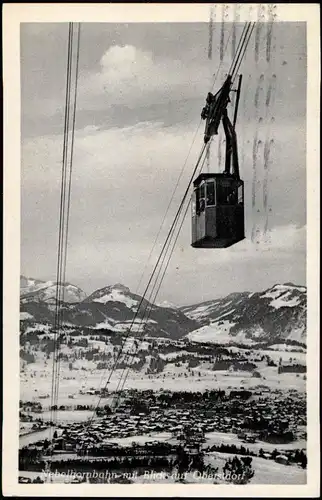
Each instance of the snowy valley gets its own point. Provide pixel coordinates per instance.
(248, 347)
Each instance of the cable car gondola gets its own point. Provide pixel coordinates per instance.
(218, 198)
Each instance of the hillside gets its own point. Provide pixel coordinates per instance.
(273, 316)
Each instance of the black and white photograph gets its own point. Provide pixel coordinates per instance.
(164, 224)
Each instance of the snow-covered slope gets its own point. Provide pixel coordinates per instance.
(276, 314)
(284, 295)
(215, 309)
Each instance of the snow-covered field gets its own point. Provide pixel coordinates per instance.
(33, 437)
(80, 379)
(214, 438)
(219, 334)
(172, 378)
(216, 333)
(155, 436)
(266, 471)
(25, 428)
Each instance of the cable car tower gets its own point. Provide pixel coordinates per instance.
(218, 198)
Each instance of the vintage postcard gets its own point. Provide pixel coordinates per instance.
(161, 250)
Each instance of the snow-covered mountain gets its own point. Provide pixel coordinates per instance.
(32, 290)
(28, 285)
(270, 317)
(115, 293)
(112, 307)
(274, 315)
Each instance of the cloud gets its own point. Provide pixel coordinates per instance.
(133, 77)
(279, 239)
(290, 237)
(135, 155)
(123, 179)
(136, 168)
(137, 68)
(278, 242)
(210, 273)
(122, 183)
(146, 147)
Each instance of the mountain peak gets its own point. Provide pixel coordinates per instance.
(120, 287)
(114, 293)
(282, 287)
(288, 285)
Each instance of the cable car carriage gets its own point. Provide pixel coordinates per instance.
(218, 198)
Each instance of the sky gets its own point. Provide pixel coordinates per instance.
(141, 89)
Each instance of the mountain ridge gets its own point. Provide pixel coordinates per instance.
(112, 308)
(275, 315)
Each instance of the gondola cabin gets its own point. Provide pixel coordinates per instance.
(217, 211)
